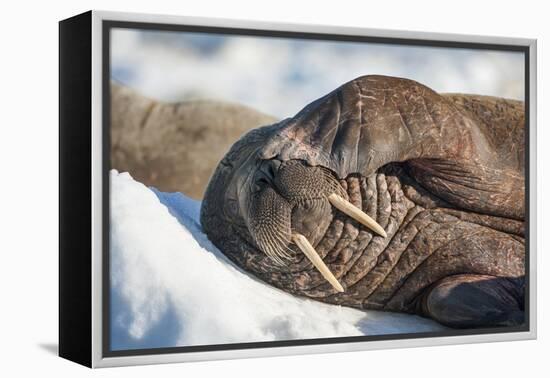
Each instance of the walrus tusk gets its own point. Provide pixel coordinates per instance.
(356, 213)
(310, 252)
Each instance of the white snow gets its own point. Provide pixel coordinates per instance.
(171, 287)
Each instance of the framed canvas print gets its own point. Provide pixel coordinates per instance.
(236, 189)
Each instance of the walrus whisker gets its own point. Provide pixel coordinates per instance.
(279, 248)
(267, 245)
(356, 213)
(335, 187)
(285, 252)
(310, 252)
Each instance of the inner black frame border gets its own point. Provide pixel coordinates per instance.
(108, 25)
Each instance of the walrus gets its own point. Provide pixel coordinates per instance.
(386, 195)
(174, 146)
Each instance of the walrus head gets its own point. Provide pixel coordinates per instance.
(300, 202)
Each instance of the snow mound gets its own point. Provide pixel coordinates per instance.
(171, 287)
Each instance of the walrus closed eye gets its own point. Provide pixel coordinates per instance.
(382, 195)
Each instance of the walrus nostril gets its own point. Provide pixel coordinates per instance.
(269, 168)
(274, 166)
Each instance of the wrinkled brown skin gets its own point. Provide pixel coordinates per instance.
(443, 174)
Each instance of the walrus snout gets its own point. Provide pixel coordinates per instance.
(292, 203)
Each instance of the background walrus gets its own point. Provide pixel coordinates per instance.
(175, 146)
(442, 176)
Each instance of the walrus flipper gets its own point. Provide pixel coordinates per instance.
(474, 300)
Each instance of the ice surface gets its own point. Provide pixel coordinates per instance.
(171, 287)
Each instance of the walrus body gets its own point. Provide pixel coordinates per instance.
(443, 175)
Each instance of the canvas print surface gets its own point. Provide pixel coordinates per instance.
(285, 188)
